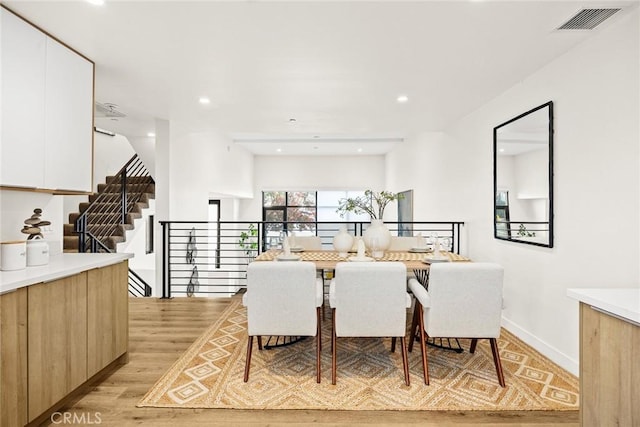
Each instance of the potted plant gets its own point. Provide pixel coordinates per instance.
(248, 242)
(377, 237)
(372, 203)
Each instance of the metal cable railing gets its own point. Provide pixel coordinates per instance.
(110, 213)
(137, 285)
(112, 209)
(202, 258)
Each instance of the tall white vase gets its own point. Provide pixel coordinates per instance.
(377, 238)
(343, 242)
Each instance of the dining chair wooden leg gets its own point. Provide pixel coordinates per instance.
(393, 344)
(405, 360)
(474, 343)
(496, 360)
(423, 344)
(333, 347)
(259, 342)
(318, 345)
(319, 325)
(414, 324)
(247, 362)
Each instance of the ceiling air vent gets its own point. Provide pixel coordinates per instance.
(587, 19)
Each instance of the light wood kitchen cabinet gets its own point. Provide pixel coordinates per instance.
(57, 337)
(609, 369)
(47, 110)
(107, 316)
(13, 358)
(59, 326)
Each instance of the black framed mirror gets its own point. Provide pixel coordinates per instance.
(523, 178)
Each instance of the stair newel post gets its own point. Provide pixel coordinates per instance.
(123, 196)
(166, 266)
(81, 229)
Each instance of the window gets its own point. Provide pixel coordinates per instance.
(503, 225)
(300, 212)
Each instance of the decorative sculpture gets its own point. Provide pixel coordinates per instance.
(33, 224)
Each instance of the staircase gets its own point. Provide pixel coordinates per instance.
(102, 222)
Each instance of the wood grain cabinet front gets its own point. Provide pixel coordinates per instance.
(107, 316)
(57, 337)
(609, 370)
(13, 358)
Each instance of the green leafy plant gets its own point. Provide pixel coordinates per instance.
(522, 231)
(372, 203)
(248, 241)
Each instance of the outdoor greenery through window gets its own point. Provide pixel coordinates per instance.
(300, 211)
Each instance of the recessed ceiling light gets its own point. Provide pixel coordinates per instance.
(204, 100)
(501, 150)
(315, 147)
(96, 2)
(402, 99)
(359, 150)
(151, 134)
(279, 150)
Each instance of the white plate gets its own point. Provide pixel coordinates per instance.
(296, 249)
(420, 250)
(360, 259)
(431, 260)
(283, 257)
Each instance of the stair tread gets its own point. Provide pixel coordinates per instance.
(105, 210)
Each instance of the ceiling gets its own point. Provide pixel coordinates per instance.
(312, 78)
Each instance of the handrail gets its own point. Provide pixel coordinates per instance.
(118, 199)
(138, 287)
(223, 249)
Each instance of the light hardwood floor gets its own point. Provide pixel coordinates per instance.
(161, 330)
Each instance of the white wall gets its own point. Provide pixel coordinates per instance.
(311, 173)
(16, 206)
(429, 164)
(110, 154)
(595, 89)
(204, 163)
(146, 149)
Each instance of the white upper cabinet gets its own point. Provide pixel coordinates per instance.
(47, 111)
(22, 103)
(68, 119)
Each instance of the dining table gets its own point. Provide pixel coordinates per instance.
(417, 262)
(327, 259)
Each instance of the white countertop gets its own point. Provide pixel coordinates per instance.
(620, 302)
(59, 266)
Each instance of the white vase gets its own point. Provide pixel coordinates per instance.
(377, 238)
(343, 242)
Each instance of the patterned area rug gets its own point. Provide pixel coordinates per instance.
(370, 377)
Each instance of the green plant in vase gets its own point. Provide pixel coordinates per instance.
(522, 231)
(248, 241)
(372, 203)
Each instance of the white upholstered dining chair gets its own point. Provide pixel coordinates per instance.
(369, 300)
(283, 299)
(464, 300)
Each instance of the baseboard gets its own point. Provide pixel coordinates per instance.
(549, 351)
